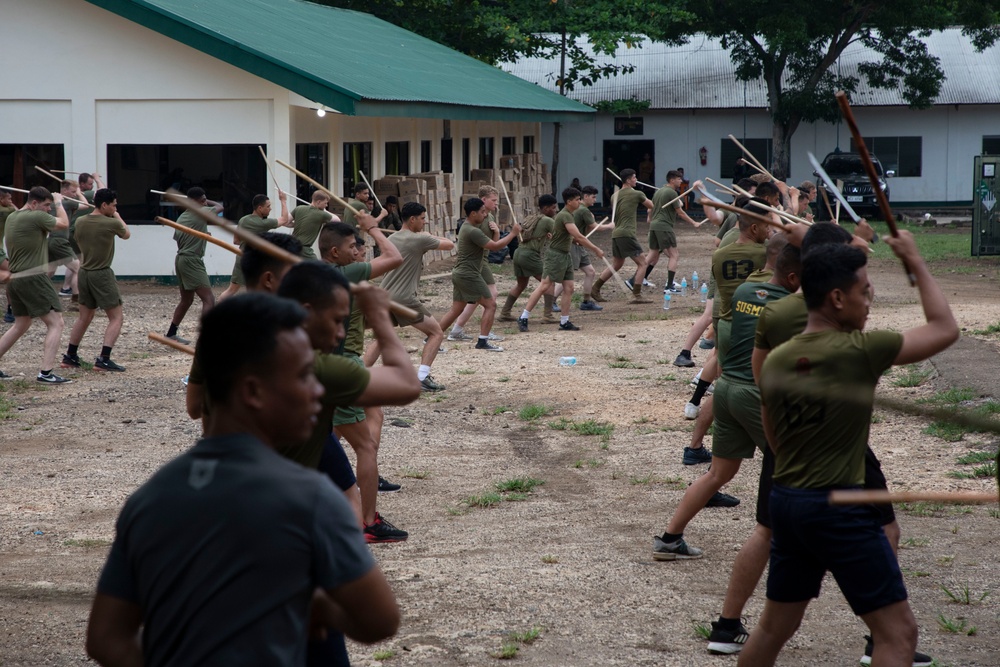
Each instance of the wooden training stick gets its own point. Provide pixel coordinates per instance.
(202, 235)
(160, 338)
(340, 202)
(621, 280)
(866, 159)
(784, 214)
(638, 182)
(751, 156)
(50, 175)
(836, 211)
(511, 207)
(720, 185)
(370, 188)
(174, 193)
(886, 497)
(757, 169)
(826, 201)
(755, 216)
(275, 178)
(263, 245)
(63, 171)
(680, 196)
(596, 227)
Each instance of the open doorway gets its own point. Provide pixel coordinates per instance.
(622, 154)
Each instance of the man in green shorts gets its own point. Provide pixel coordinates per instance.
(258, 223)
(491, 226)
(61, 250)
(469, 286)
(623, 239)
(96, 234)
(738, 431)
(359, 203)
(192, 277)
(558, 264)
(307, 221)
(586, 223)
(535, 235)
(402, 283)
(33, 296)
(6, 208)
(662, 238)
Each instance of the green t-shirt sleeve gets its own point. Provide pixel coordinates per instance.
(44, 221)
(429, 242)
(357, 272)
(343, 380)
(881, 348)
(477, 236)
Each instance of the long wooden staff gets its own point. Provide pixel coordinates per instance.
(680, 196)
(751, 156)
(201, 235)
(370, 188)
(63, 171)
(596, 227)
(866, 159)
(724, 187)
(160, 338)
(275, 178)
(742, 211)
(777, 211)
(638, 182)
(263, 245)
(320, 186)
(50, 175)
(826, 201)
(511, 207)
(885, 497)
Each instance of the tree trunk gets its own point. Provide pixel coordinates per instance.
(781, 140)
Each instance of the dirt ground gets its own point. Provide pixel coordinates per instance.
(572, 558)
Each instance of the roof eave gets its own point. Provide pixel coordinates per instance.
(419, 109)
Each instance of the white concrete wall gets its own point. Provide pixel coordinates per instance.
(951, 138)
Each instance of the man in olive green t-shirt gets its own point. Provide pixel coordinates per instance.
(32, 295)
(528, 258)
(189, 265)
(491, 227)
(662, 238)
(624, 244)
(257, 222)
(307, 221)
(95, 235)
(359, 203)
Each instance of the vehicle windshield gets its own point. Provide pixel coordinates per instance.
(847, 164)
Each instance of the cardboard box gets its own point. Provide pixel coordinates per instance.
(471, 188)
(486, 175)
(434, 179)
(408, 187)
(406, 199)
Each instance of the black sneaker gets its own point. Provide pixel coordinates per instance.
(385, 486)
(52, 378)
(694, 456)
(8, 316)
(722, 500)
(484, 344)
(629, 284)
(727, 642)
(383, 531)
(105, 364)
(66, 292)
(678, 550)
(71, 361)
(522, 324)
(568, 326)
(590, 305)
(684, 361)
(919, 659)
(178, 339)
(428, 384)
(4, 376)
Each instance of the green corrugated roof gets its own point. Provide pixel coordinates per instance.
(352, 62)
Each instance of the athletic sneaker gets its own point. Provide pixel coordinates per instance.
(383, 531)
(691, 411)
(568, 326)
(678, 550)
(556, 309)
(522, 324)
(71, 361)
(52, 378)
(646, 283)
(496, 337)
(673, 290)
(720, 499)
(184, 380)
(105, 364)
(919, 659)
(727, 642)
(629, 284)
(8, 317)
(590, 305)
(459, 336)
(428, 384)
(694, 456)
(66, 292)
(4, 376)
(684, 361)
(178, 339)
(706, 344)
(385, 486)
(488, 346)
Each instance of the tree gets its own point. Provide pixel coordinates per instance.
(497, 31)
(793, 46)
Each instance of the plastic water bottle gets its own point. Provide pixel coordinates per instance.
(684, 286)
(694, 278)
(666, 301)
(704, 292)
(567, 361)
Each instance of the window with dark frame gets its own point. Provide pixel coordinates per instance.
(486, 156)
(447, 156)
(529, 143)
(18, 162)
(465, 159)
(312, 160)
(509, 146)
(903, 155)
(425, 155)
(729, 153)
(397, 158)
(357, 158)
(991, 145)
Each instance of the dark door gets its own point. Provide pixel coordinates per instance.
(621, 154)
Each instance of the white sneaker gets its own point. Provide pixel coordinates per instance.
(646, 283)
(459, 336)
(494, 336)
(691, 411)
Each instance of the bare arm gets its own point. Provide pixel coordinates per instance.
(285, 218)
(395, 381)
(496, 244)
(941, 329)
(113, 638)
(684, 216)
(365, 609)
(62, 220)
(445, 244)
(648, 204)
(582, 240)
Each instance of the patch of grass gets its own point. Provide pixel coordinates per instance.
(507, 651)
(415, 474)
(638, 377)
(7, 408)
(530, 413)
(916, 573)
(876, 418)
(664, 362)
(519, 484)
(702, 631)
(624, 362)
(590, 463)
(912, 376)
(637, 481)
(136, 356)
(669, 377)
(947, 431)
(913, 542)
(986, 470)
(960, 474)
(922, 508)
(526, 637)
(561, 425)
(951, 396)
(458, 511)
(963, 595)
(958, 626)
(935, 245)
(988, 331)
(643, 341)
(466, 371)
(550, 560)
(976, 457)
(484, 500)
(945, 560)
(436, 397)
(384, 654)
(591, 427)
(87, 543)
(995, 513)
(498, 410)
(515, 497)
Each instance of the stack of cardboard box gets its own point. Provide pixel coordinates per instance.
(525, 179)
(434, 190)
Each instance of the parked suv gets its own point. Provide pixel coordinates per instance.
(847, 167)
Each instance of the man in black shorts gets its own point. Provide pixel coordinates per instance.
(95, 235)
(817, 391)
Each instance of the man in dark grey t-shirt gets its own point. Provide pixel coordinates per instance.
(221, 557)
